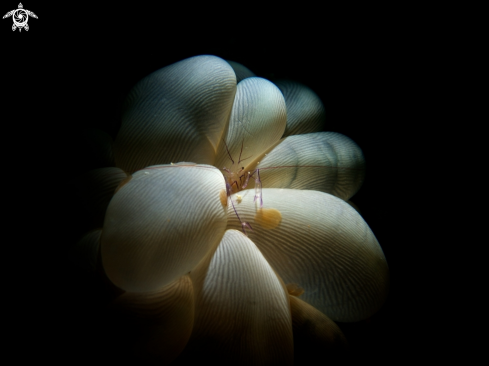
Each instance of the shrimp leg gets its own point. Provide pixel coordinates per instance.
(257, 186)
(244, 224)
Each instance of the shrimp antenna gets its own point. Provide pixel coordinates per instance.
(229, 154)
(242, 142)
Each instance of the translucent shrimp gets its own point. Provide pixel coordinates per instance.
(239, 181)
(235, 178)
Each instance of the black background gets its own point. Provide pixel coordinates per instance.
(72, 70)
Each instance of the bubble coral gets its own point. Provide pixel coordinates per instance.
(172, 240)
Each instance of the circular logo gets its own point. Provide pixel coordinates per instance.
(20, 17)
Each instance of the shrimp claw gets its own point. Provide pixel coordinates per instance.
(258, 188)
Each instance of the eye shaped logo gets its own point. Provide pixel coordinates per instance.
(20, 17)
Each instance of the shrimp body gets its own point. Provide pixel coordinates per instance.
(237, 181)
